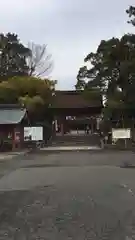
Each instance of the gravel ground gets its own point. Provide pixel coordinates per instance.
(70, 195)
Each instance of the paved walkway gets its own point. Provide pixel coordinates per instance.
(71, 195)
(70, 148)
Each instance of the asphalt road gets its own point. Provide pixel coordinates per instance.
(71, 195)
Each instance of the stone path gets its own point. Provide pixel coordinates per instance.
(67, 195)
(71, 148)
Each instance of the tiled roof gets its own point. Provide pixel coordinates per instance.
(11, 115)
(73, 99)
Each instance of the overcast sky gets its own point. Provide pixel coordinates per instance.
(71, 28)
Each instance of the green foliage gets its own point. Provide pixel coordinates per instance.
(12, 57)
(82, 74)
(112, 73)
(33, 104)
(131, 13)
(33, 93)
(17, 85)
(8, 93)
(91, 94)
(32, 86)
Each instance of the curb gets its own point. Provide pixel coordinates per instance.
(70, 149)
(13, 155)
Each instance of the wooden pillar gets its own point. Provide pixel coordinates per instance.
(53, 128)
(13, 140)
(16, 138)
(56, 126)
(62, 128)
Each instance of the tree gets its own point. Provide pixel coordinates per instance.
(39, 61)
(12, 57)
(34, 105)
(8, 93)
(33, 93)
(17, 83)
(131, 13)
(112, 73)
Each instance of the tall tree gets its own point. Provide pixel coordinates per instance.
(112, 72)
(131, 13)
(39, 61)
(12, 57)
(36, 94)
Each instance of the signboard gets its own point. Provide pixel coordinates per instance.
(33, 133)
(121, 133)
(27, 134)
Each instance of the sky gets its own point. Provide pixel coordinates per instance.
(70, 28)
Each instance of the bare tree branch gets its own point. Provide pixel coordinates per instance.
(39, 62)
